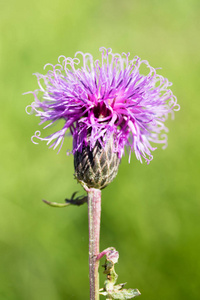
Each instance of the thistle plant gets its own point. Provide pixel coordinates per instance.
(107, 105)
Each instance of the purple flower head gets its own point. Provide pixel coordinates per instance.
(102, 100)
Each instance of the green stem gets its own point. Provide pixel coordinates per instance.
(94, 215)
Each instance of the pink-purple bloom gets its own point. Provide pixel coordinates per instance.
(104, 99)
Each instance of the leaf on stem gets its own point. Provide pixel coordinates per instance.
(110, 290)
(77, 201)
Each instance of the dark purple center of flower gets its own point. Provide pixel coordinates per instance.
(101, 110)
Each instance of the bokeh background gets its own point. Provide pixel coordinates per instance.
(150, 213)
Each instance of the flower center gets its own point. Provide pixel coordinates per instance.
(101, 111)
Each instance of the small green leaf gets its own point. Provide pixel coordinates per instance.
(74, 201)
(110, 290)
(125, 294)
(55, 204)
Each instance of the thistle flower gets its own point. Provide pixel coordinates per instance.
(105, 101)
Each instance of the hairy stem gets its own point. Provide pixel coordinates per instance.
(94, 214)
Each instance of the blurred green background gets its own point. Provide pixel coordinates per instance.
(150, 213)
